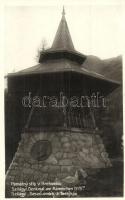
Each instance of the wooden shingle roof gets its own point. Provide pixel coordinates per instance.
(62, 57)
(63, 38)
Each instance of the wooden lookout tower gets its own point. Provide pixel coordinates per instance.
(59, 133)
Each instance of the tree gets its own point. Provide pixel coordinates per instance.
(42, 47)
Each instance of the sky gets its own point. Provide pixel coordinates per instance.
(96, 29)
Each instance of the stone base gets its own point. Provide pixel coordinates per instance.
(71, 151)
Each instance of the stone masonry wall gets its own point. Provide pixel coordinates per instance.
(70, 151)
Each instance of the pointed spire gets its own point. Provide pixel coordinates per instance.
(63, 38)
(63, 12)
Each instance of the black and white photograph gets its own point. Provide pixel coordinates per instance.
(63, 99)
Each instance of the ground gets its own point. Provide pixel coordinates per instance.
(106, 182)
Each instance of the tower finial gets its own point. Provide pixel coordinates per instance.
(63, 12)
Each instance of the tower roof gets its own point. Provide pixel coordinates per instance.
(62, 57)
(62, 38)
(62, 46)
